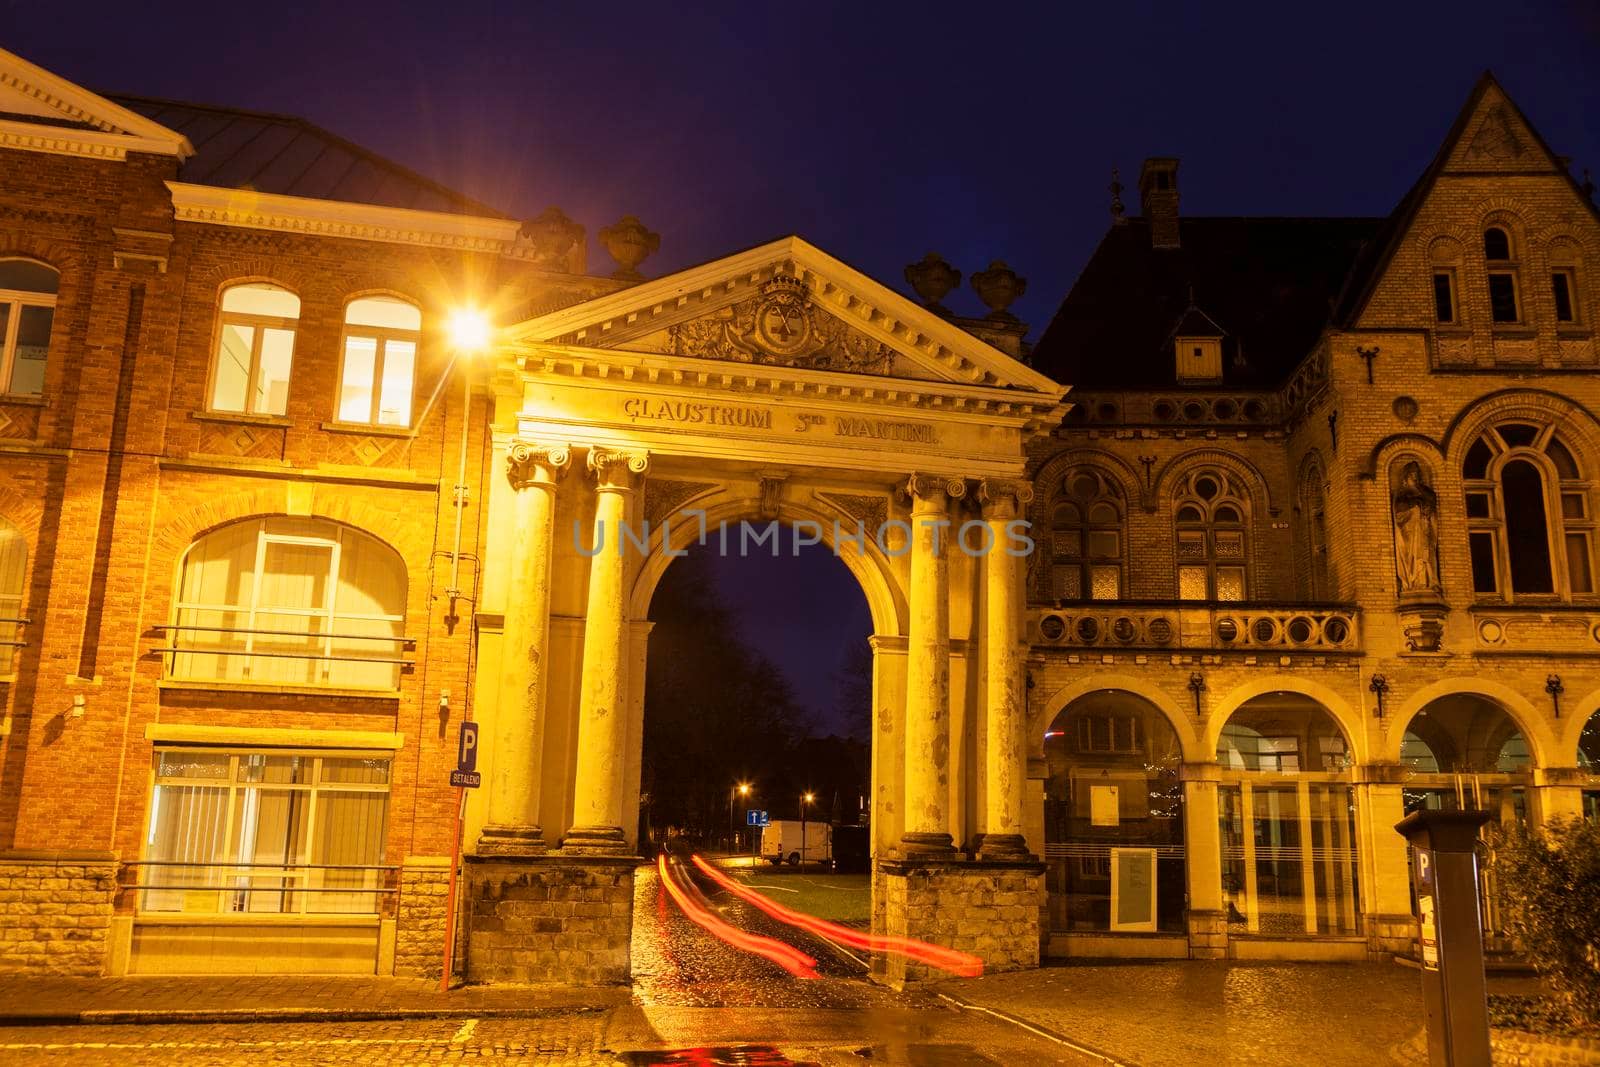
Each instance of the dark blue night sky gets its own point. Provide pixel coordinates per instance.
(877, 131)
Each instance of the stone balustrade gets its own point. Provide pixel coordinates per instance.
(1199, 626)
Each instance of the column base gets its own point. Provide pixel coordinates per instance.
(1208, 935)
(1004, 848)
(992, 910)
(595, 841)
(1389, 936)
(548, 919)
(510, 841)
(927, 846)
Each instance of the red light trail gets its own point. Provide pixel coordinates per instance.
(963, 964)
(788, 957)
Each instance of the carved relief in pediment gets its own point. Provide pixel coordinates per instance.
(780, 325)
(1496, 139)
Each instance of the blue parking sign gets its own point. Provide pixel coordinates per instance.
(466, 773)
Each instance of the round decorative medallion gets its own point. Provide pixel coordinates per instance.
(1491, 632)
(1405, 408)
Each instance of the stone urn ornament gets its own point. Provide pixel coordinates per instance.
(629, 242)
(552, 235)
(999, 287)
(932, 279)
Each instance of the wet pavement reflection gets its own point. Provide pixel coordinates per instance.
(677, 963)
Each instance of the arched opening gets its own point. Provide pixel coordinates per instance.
(1114, 817)
(1289, 857)
(1589, 762)
(748, 711)
(1464, 751)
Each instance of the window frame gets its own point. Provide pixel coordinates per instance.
(1569, 274)
(1107, 493)
(1453, 294)
(381, 335)
(17, 299)
(1229, 494)
(311, 877)
(252, 605)
(1559, 527)
(1510, 267)
(259, 324)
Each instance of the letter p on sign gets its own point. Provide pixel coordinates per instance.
(467, 748)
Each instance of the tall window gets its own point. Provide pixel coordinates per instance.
(1211, 515)
(261, 832)
(27, 310)
(13, 593)
(1503, 297)
(1086, 537)
(1564, 276)
(255, 347)
(380, 358)
(290, 601)
(1314, 517)
(1530, 517)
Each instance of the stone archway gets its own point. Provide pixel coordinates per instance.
(775, 385)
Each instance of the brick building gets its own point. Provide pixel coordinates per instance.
(253, 572)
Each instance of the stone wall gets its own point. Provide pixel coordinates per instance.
(992, 910)
(420, 919)
(549, 919)
(55, 913)
(1391, 935)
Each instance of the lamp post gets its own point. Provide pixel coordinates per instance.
(805, 802)
(740, 790)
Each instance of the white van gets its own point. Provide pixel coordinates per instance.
(780, 841)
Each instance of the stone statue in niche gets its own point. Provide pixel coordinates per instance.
(1416, 532)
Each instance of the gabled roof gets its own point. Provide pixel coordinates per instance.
(1488, 103)
(1268, 282)
(44, 112)
(238, 149)
(938, 349)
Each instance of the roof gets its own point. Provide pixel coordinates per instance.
(1268, 283)
(270, 153)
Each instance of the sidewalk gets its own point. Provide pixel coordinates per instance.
(35, 1001)
(1167, 1014)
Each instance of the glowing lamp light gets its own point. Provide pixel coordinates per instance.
(809, 797)
(744, 789)
(469, 330)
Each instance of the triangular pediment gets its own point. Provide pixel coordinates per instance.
(787, 304)
(41, 111)
(1493, 135)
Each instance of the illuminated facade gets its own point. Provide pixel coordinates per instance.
(272, 531)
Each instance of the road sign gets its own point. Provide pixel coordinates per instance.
(753, 817)
(466, 774)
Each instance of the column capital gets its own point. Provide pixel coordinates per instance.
(937, 488)
(1003, 498)
(530, 464)
(617, 470)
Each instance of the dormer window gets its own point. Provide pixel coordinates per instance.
(1199, 359)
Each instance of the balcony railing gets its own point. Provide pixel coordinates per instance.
(1198, 626)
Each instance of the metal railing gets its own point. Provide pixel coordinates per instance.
(176, 649)
(279, 871)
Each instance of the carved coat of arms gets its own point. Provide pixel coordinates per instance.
(780, 325)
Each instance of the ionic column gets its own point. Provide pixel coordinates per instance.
(513, 826)
(927, 792)
(602, 720)
(1006, 712)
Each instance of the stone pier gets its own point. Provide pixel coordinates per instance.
(549, 918)
(993, 910)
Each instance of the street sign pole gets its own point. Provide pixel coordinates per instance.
(464, 777)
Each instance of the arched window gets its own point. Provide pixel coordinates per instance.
(290, 601)
(255, 348)
(1211, 513)
(1113, 797)
(27, 311)
(1289, 857)
(1086, 537)
(1504, 300)
(380, 361)
(1530, 520)
(13, 593)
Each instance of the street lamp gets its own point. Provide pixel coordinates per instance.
(805, 802)
(740, 790)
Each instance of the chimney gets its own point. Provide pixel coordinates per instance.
(1158, 198)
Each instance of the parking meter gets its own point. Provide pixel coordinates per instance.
(1445, 870)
